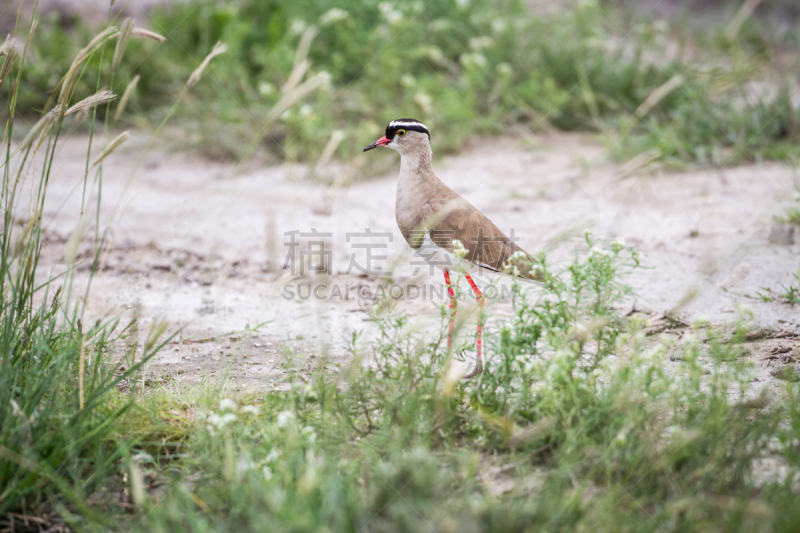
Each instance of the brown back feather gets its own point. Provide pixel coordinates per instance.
(487, 246)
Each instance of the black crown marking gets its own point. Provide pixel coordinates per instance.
(408, 124)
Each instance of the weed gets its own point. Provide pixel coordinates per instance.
(59, 403)
(792, 216)
(789, 295)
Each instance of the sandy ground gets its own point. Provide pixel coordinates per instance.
(203, 248)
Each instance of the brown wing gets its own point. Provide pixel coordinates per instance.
(487, 246)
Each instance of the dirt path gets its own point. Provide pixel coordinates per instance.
(199, 248)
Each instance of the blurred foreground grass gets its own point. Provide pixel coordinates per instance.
(665, 94)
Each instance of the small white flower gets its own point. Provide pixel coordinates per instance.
(326, 77)
(617, 246)
(439, 25)
(598, 252)
(510, 267)
(308, 431)
(389, 12)
(251, 409)
(505, 69)
(244, 464)
(479, 43)
(499, 25)
(218, 422)
(227, 405)
(265, 88)
(297, 27)
(305, 110)
(435, 53)
(226, 419)
(333, 15)
(407, 80)
(458, 248)
(284, 417)
(212, 423)
(267, 471)
(478, 60)
(273, 455)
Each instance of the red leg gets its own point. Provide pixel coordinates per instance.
(479, 297)
(453, 308)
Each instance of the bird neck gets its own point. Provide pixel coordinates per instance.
(416, 185)
(417, 161)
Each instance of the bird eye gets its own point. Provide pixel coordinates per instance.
(401, 132)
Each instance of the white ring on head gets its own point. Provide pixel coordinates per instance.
(405, 124)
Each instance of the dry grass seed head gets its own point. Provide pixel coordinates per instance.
(109, 33)
(70, 76)
(8, 46)
(122, 42)
(125, 97)
(113, 145)
(142, 32)
(305, 45)
(218, 49)
(295, 95)
(100, 98)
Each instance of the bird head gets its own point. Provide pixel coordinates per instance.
(404, 135)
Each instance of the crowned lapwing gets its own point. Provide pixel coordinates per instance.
(442, 227)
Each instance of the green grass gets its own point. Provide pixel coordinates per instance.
(788, 294)
(793, 216)
(59, 375)
(466, 68)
